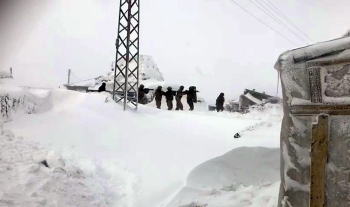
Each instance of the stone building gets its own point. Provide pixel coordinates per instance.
(315, 141)
(84, 86)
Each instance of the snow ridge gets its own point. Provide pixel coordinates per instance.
(27, 181)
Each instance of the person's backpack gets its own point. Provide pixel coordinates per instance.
(193, 91)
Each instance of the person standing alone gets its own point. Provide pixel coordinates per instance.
(220, 102)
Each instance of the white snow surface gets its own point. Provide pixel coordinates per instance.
(228, 177)
(103, 156)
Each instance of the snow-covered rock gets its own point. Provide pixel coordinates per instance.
(39, 156)
(54, 160)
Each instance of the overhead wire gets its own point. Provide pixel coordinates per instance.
(83, 80)
(233, 1)
(274, 8)
(276, 19)
(269, 13)
(75, 76)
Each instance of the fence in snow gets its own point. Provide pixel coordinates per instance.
(10, 104)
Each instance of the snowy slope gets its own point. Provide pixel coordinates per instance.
(26, 182)
(233, 176)
(145, 156)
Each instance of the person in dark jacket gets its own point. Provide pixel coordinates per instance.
(169, 96)
(158, 94)
(142, 99)
(191, 96)
(102, 87)
(178, 97)
(220, 102)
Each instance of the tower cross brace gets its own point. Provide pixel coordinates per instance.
(126, 73)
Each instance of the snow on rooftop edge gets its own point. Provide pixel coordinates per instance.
(312, 51)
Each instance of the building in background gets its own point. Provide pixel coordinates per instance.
(148, 69)
(83, 86)
(6, 74)
(250, 98)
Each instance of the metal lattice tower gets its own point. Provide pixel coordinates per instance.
(126, 73)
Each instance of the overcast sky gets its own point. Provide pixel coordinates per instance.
(212, 44)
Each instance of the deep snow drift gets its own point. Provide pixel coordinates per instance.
(25, 181)
(233, 179)
(142, 158)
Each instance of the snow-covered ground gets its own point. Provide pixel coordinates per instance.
(148, 157)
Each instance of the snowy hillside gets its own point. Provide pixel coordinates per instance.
(132, 159)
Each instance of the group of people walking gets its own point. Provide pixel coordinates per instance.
(170, 94)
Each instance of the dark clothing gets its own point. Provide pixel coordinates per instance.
(180, 93)
(158, 97)
(169, 96)
(178, 97)
(179, 105)
(220, 100)
(102, 87)
(190, 103)
(191, 95)
(142, 99)
(141, 94)
(158, 104)
(219, 108)
(169, 103)
(158, 94)
(220, 103)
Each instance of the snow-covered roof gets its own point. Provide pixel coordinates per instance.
(5, 74)
(252, 98)
(235, 101)
(312, 51)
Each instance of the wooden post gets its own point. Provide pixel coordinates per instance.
(319, 154)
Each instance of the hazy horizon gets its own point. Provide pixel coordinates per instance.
(212, 44)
